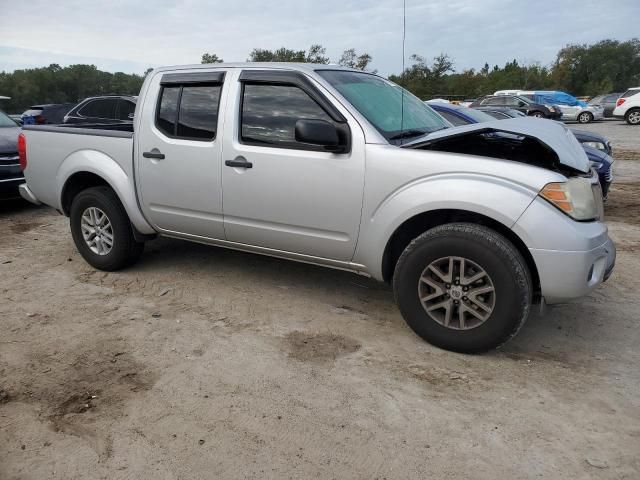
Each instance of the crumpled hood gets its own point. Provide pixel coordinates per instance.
(9, 139)
(554, 135)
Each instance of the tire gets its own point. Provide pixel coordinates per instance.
(537, 114)
(585, 117)
(482, 247)
(124, 250)
(632, 117)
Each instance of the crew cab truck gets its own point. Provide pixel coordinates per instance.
(342, 168)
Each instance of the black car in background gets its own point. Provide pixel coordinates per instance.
(501, 113)
(519, 103)
(607, 101)
(110, 109)
(51, 113)
(10, 174)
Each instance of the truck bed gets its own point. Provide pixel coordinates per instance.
(54, 152)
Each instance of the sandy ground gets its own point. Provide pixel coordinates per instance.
(205, 363)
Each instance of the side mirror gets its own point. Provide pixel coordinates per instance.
(318, 132)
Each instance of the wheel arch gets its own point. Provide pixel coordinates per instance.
(416, 225)
(88, 168)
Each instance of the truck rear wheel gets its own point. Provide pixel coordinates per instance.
(101, 230)
(463, 287)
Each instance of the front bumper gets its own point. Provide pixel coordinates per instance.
(571, 258)
(565, 275)
(27, 194)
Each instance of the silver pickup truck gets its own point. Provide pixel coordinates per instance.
(471, 225)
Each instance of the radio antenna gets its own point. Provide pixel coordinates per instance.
(404, 31)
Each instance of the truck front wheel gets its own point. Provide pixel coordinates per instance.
(101, 230)
(463, 287)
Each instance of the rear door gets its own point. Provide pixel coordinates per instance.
(294, 197)
(178, 152)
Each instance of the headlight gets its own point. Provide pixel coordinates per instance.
(598, 145)
(575, 197)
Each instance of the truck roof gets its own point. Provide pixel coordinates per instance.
(303, 67)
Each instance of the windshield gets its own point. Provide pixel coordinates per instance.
(395, 115)
(5, 121)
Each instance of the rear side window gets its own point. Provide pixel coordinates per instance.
(99, 109)
(189, 111)
(629, 93)
(270, 113)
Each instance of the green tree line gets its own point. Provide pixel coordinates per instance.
(602, 67)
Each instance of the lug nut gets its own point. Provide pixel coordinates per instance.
(465, 298)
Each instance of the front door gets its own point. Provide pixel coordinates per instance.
(294, 197)
(179, 148)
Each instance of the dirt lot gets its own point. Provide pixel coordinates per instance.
(205, 363)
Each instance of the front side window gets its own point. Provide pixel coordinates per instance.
(99, 109)
(393, 111)
(270, 113)
(189, 111)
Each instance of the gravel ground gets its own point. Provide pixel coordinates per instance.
(622, 135)
(205, 363)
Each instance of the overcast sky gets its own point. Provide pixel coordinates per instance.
(130, 36)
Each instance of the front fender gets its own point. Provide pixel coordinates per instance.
(497, 198)
(105, 167)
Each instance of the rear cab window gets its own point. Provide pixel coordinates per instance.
(188, 105)
(104, 108)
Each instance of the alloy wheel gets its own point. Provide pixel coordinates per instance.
(97, 231)
(457, 293)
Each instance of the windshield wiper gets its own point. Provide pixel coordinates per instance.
(408, 134)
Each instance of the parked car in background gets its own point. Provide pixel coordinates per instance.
(316, 163)
(501, 113)
(628, 106)
(107, 109)
(572, 109)
(10, 173)
(607, 102)
(522, 104)
(51, 113)
(597, 147)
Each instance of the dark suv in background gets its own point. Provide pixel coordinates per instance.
(608, 102)
(10, 173)
(51, 113)
(105, 109)
(519, 103)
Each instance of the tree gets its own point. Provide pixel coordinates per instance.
(351, 59)
(605, 66)
(315, 55)
(211, 58)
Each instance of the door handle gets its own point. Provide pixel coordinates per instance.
(239, 162)
(154, 153)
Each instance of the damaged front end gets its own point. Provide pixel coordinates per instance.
(533, 141)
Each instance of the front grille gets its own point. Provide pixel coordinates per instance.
(608, 175)
(9, 159)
